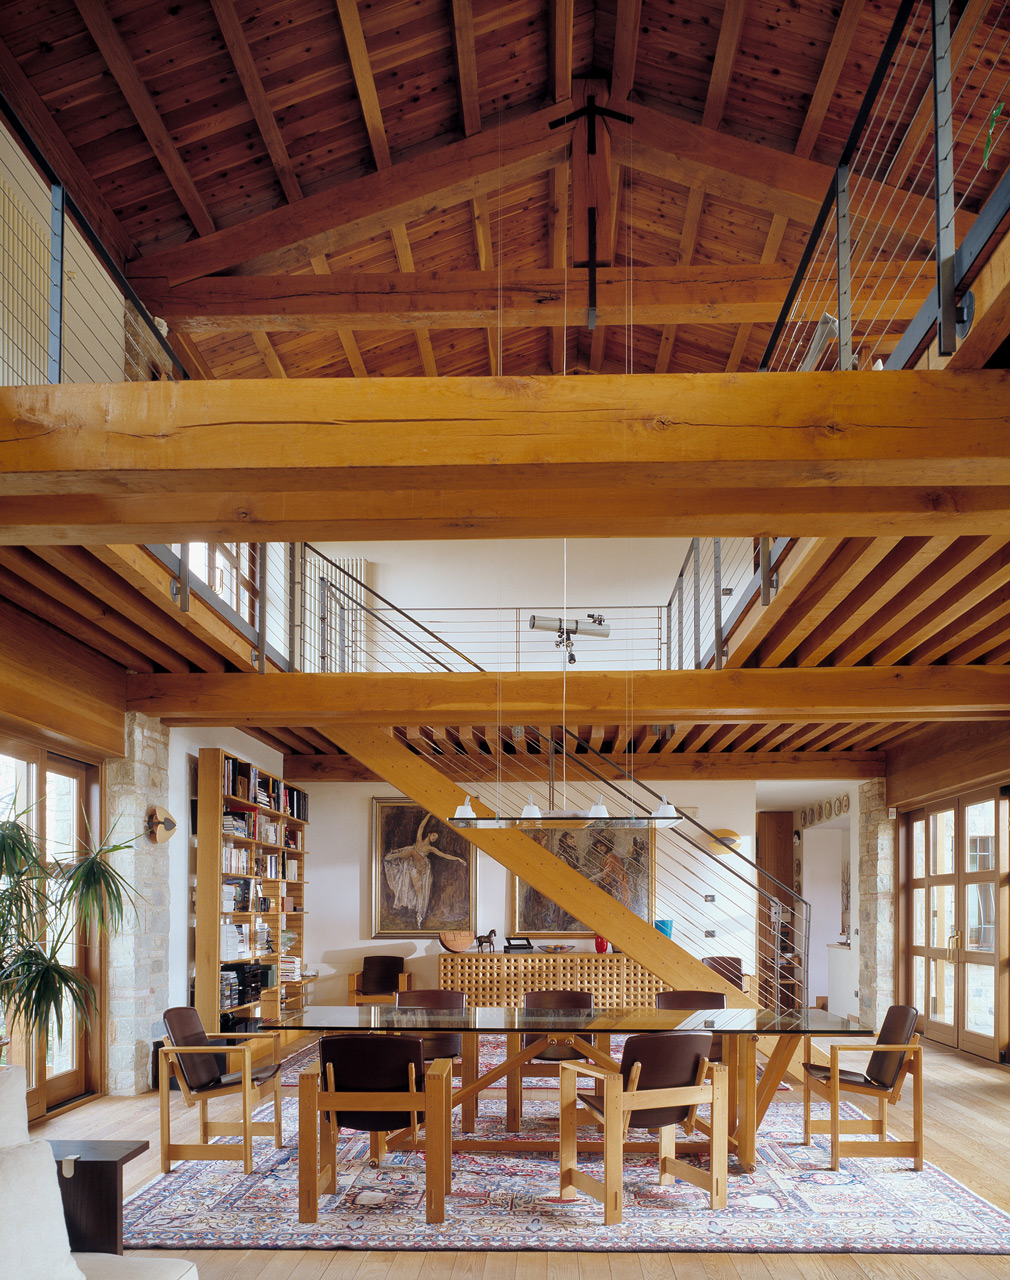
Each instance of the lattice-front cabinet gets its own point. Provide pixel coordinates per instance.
(250, 891)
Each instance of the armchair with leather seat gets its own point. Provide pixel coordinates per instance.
(379, 981)
(33, 1232)
(896, 1054)
(550, 1055)
(695, 1000)
(375, 1084)
(663, 1078)
(194, 1061)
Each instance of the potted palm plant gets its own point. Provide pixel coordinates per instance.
(43, 901)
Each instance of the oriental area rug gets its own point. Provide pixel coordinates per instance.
(791, 1203)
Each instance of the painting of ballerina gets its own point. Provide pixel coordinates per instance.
(423, 873)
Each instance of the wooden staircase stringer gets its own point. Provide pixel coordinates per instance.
(422, 782)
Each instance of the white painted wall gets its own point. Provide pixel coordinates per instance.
(183, 756)
(824, 850)
(338, 868)
(487, 573)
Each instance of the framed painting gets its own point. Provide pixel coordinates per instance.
(424, 874)
(618, 860)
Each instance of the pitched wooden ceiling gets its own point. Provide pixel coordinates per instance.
(226, 148)
(328, 188)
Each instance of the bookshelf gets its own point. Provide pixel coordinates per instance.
(250, 891)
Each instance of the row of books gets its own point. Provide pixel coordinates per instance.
(277, 866)
(246, 782)
(236, 860)
(237, 824)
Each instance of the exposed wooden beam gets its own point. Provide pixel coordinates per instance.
(368, 99)
(287, 238)
(496, 507)
(991, 325)
(185, 345)
(124, 72)
(148, 576)
(799, 695)
(270, 357)
(557, 253)
(747, 766)
(241, 55)
(466, 65)
(51, 140)
(627, 29)
(89, 573)
(950, 759)
(562, 23)
(708, 430)
(53, 688)
(95, 611)
(518, 297)
(722, 68)
(690, 155)
(37, 601)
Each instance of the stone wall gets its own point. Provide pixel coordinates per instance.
(877, 846)
(138, 955)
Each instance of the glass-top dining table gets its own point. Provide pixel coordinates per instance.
(745, 1033)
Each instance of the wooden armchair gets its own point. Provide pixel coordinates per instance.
(379, 981)
(663, 1078)
(371, 1083)
(896, 1054)
(193, 1059)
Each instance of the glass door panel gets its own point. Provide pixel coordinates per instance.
(958, 883)
(64, 837)
(980, 1000)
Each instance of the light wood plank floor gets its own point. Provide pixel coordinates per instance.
(967, 1132)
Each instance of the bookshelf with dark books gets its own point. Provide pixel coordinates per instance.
(250, 892)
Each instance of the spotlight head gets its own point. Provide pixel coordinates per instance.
(571, 657)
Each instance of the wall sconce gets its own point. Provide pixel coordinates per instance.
(160, 825)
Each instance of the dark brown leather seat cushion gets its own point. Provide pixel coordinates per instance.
(670, 1060)
(556, 1000)
(380, 975)
(442, 1044)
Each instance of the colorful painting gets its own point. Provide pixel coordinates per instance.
(618, 860)
(424, 877)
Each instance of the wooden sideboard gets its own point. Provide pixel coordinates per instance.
(614, 981)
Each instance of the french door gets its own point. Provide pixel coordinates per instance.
(958, 877)
(52, 797)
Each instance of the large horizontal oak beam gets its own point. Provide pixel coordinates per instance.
(817, 694)
(511, 505)
(674, 454)
(701, 430)
(690, 766)
(730, 294)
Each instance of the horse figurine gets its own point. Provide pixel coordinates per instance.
(487, 938)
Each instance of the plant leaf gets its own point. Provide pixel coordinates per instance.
(988, 141)
(34, 987)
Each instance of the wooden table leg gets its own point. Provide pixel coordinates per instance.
(468, 1109)
(513, 1085)
(308, 1146)
(747, 1119)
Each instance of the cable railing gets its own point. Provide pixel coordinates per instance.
(346, 626)
(917, 195)
(697, 887)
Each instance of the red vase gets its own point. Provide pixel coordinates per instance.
(601, 944)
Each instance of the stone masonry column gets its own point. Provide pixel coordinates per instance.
(877, 845)
(138, 955)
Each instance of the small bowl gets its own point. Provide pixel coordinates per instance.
(557, 948)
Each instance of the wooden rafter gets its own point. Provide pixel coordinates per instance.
(121, 65)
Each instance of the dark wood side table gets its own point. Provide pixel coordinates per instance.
(93, 1196)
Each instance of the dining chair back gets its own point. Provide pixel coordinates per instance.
(439, 1044)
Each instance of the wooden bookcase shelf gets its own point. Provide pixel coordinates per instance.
(251, 837)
